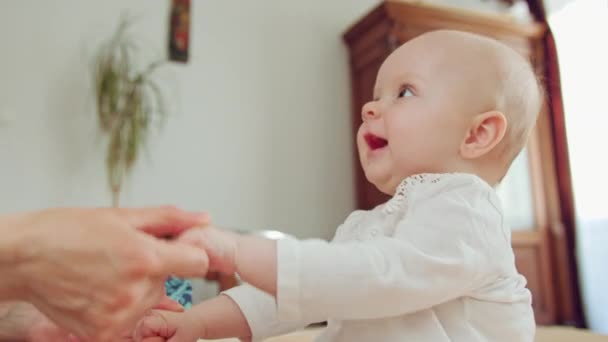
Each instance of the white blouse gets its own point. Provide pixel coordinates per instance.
(434, 263)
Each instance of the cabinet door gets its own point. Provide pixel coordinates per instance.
(522, 196)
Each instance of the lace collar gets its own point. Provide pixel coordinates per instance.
(406, 187)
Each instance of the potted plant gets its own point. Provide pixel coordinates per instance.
(128, 101)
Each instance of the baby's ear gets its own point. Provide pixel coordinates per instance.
(485, 132)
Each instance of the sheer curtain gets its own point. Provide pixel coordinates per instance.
(581, 34)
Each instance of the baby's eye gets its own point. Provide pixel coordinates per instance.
(406, 92)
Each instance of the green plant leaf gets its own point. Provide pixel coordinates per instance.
(126, 101)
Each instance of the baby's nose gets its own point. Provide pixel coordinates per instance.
(370, 111)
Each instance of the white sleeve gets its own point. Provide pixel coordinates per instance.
(260, 311)
(438, 253)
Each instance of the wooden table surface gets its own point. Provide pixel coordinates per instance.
(543, 334)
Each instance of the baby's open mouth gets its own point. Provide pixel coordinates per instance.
(375, 142)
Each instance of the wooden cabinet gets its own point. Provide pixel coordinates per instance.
(532, 184)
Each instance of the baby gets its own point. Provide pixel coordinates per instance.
(451, 110)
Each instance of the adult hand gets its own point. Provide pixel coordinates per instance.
(95, 272)
(23, 322)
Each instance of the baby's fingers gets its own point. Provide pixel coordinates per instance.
(154, 327)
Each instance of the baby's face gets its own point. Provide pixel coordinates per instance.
(418, 116)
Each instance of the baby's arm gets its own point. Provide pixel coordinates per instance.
(216, 318)
(253, 258)
(431, 259)
(219, 317)
(244, 312)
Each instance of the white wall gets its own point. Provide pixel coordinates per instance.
(261, 133)
(262, 137)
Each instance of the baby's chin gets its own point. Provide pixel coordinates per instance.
(382, 182)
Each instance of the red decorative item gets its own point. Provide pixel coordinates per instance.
(179, 35)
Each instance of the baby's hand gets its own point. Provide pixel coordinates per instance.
(166, 304)
(161, 326)
(220, 246)
(154, 327)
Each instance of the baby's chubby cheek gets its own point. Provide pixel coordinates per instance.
(362, 146)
